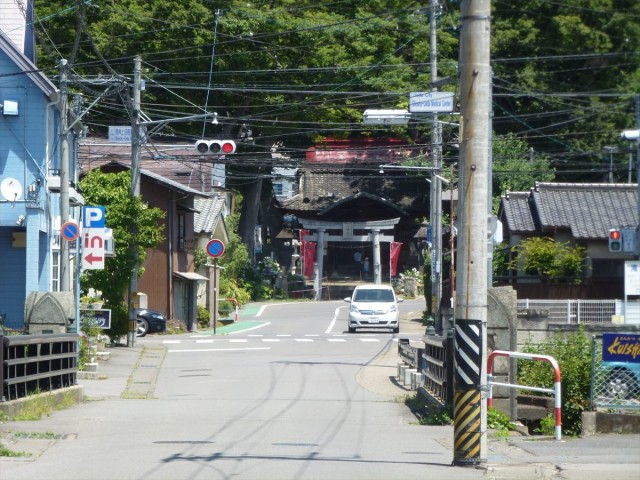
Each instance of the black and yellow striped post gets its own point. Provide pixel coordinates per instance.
(467, 396)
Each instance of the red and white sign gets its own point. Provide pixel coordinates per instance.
(93, 248)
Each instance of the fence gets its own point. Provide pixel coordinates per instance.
(574, 311)
(37, 363)
(438, 368)
(556, 390)
(613, 385)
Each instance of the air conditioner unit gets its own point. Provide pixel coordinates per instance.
(53, 184)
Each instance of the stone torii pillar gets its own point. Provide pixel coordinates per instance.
(317, 271)
(377, 268)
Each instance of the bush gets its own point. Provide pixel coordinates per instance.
(573, 354)
(203, 317)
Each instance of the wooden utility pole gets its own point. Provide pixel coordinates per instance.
(470, 380)
(134, 193)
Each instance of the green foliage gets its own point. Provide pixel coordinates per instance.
(500, 422)
(90, 331)
(554, 261)
(547, 426)
(428, 413)
(38, 405)
(203, 317)
(133, 223)
(515, 168)
(573, 354)
(200, 258)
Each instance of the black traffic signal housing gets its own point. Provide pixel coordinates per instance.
(216, 147)
(615, 240)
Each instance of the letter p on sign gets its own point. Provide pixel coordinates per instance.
(93, 217)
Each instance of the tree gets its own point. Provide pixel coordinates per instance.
(554, 261)
(124, 215)
(516, 168)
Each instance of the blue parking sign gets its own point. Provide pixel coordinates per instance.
(93, 217)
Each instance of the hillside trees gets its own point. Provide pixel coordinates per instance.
(292, 71)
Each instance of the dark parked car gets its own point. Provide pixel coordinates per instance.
(150, 321)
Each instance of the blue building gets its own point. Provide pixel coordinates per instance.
(29, 153)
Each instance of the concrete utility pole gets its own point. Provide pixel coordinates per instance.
(65, 284)
(470, 420)
(135, 192)
(436, 185)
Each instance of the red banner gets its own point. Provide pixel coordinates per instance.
(309, 258)
(303, 233)
(393, 257)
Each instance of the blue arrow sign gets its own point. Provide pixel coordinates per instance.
(215, 248)
(70, 231)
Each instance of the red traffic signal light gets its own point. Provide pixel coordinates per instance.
(615, 240)
(216, 147)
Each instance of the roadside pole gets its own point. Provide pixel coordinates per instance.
(135, 192)
(470, 379)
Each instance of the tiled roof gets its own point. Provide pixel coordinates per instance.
(321, 190)
(587, 210)
(517, 213)
(208, 213)
(176, 162)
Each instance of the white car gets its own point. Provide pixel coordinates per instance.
(373, 306)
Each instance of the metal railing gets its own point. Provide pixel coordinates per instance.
(573, 310)
(37, 363)
(438, 368)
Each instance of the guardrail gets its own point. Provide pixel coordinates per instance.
(37, 363)
(438, 369)
(556, 390)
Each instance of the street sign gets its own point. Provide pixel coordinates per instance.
(215, 248)
(93, 249)
(93, 217)
(631, 278)
(70, 231)
(430, 102)
(119, 134)
(102, 317)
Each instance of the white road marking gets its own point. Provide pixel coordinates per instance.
(171, 341)
(283, 335)
(369, 339)
(238, 340)
(336, 312)
(205, 341)
(304, 340)
(337, 339)
(270, 339)
(194, 350)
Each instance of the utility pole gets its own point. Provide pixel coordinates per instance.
(436, 185)
(65, 284)
(470, 378)
(134, 193)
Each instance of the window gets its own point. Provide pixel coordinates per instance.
(55, 271)
(181, 231)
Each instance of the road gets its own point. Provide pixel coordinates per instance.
(288, 396)
(280, 400)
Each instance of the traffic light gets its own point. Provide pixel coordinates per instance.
(615, 240)
(216, 147)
